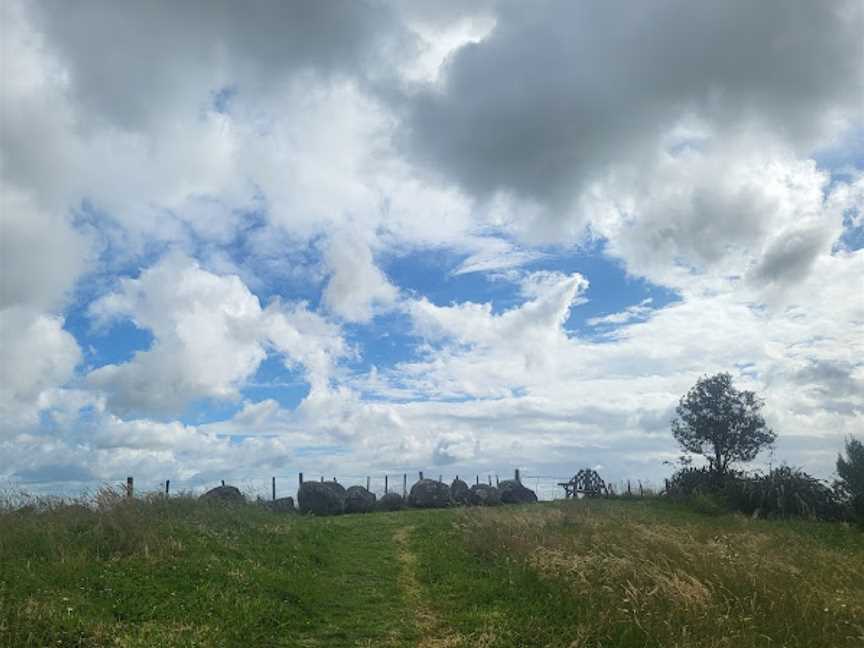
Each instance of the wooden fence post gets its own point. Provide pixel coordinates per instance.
(629, 492)
(641, 492)
(273, 485)
(223, 482)
(404, 485)
(386, 483)
(490, 480)
(367, 482)
(167, 487)
(130, 487)
(322, 479)
(496, 481)
(421, 474)
(301, 479)
(440, 478)
(516, 476)
(477, 479)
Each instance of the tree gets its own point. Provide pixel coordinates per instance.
(851, 469)
(721, 423)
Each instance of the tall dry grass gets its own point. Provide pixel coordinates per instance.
(105, 524)
(654, 577)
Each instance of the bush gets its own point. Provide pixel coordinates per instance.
(784, 492)
(689, 481)
(850, 486)
(851, 468)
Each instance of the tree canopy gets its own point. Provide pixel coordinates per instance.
(851, 468)
(721, 423)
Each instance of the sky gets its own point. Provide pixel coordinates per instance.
(365, 237)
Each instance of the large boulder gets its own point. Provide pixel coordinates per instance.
(390, 502)
(459, 492)
(321, 498)
(224, 494)
(281, 505)
(359, 500)
(484, 495)
(428, 493)
(513, 492)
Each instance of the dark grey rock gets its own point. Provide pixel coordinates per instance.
(281, 505)
(390, 502)
(321, 498)
(428, 493)
(459, 492)
(513, 492)
(359, 500)
(484, 495)
(225, 494)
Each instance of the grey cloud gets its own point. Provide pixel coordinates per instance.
(129, 61)
(561, 90)
(655, 421)
(830, 378)
(791, 257)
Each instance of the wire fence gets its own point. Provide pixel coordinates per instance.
(546, 487)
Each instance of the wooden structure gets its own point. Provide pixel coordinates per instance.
(586, 481)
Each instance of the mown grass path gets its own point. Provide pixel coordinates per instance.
(432, 631)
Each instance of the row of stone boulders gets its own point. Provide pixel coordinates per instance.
(331, 498)
(232, 495)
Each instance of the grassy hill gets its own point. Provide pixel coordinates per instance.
(177, 572)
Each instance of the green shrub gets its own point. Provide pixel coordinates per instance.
(783, 492)
(689, 481)
(850, 486)
(851, 468)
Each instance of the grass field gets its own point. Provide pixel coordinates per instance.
(603, 573)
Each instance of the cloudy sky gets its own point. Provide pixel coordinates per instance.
(248, 239)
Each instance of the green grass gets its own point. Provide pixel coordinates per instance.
(160, 572)
(179, 573)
